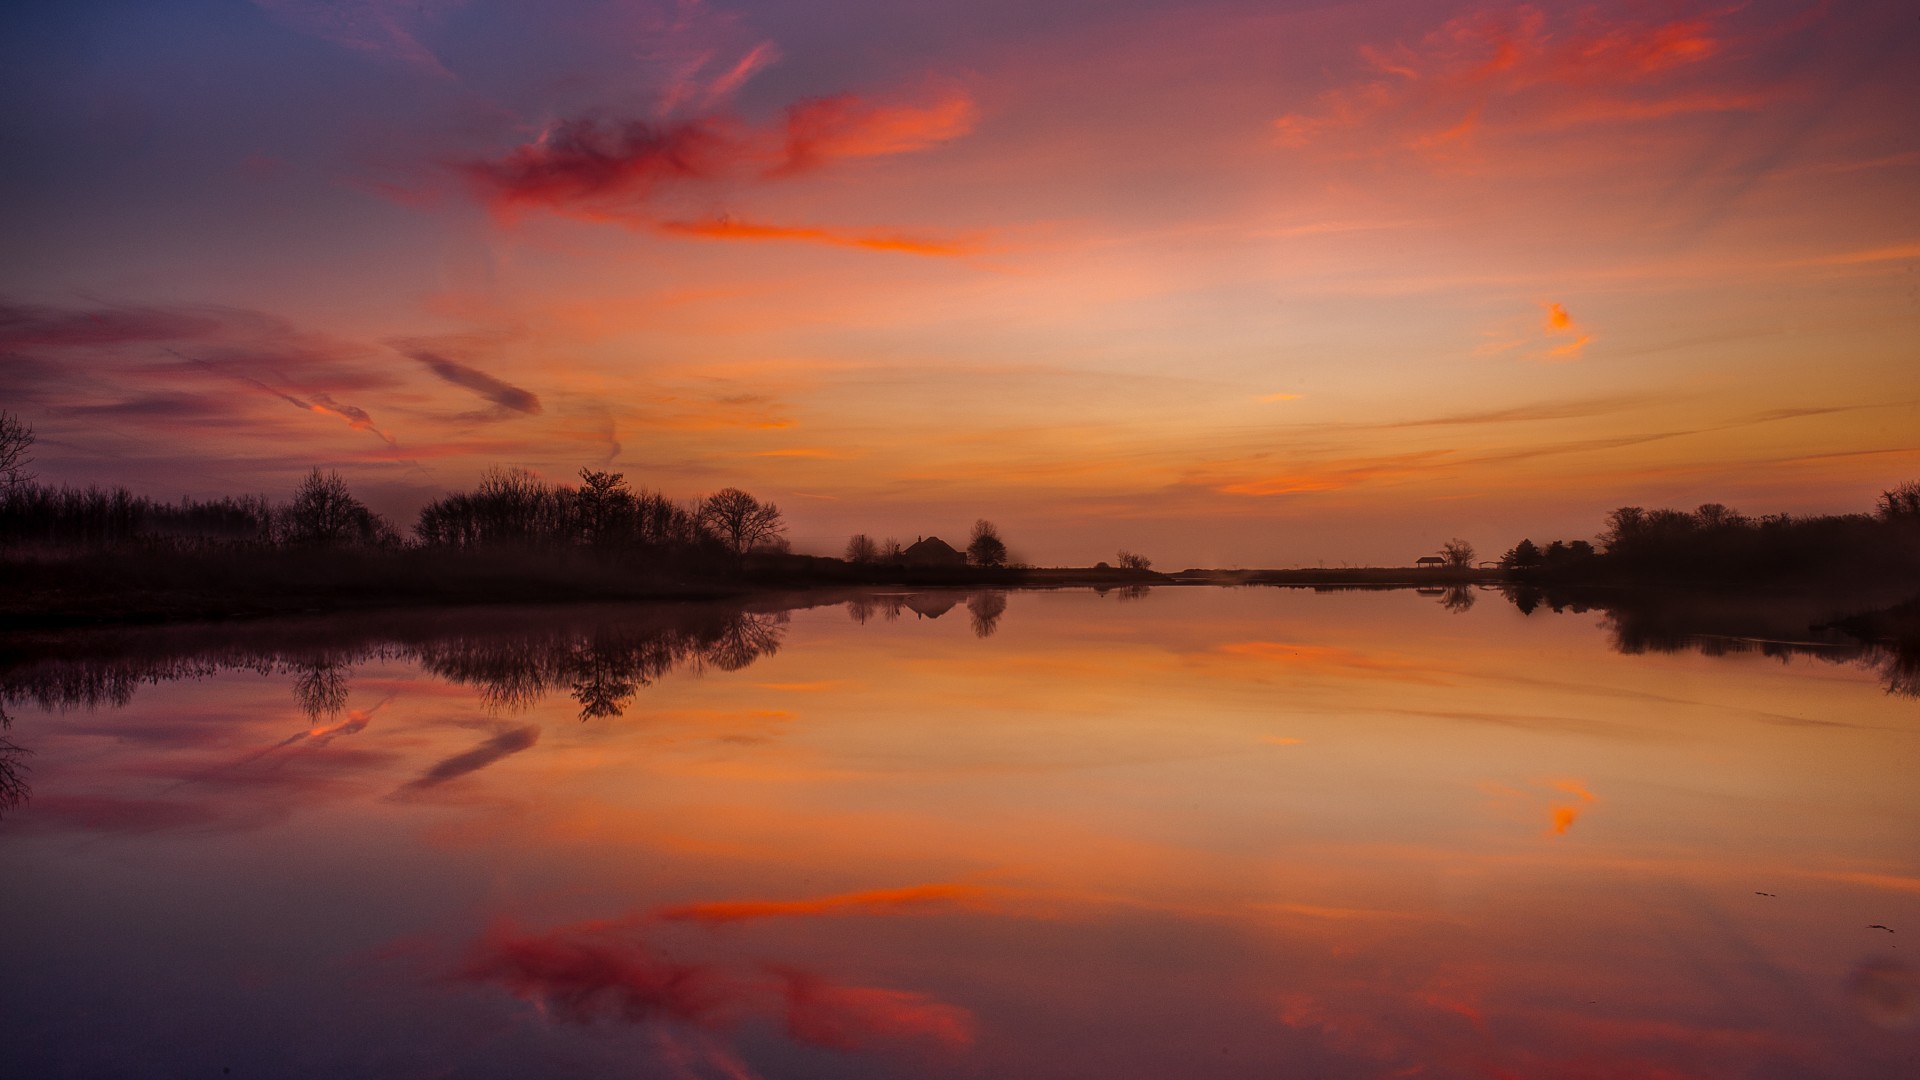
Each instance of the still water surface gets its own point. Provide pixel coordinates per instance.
(1197, 832)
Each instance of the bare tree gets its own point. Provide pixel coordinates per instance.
(1130, 561)
(861, 550)
(323, 511)
(986, 548)
(1458, 553)
(741, 521)
(891, 550)
(16, 451)
(605, 505)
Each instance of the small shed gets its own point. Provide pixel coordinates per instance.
(1433, 562)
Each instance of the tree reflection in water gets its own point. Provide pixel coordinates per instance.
(601, 657)
(13, 768)
(1732, 624)
(986, 607)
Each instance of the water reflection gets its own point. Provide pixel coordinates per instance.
(602, 658)
(13, 768)
(1721, 624)
(959, 834)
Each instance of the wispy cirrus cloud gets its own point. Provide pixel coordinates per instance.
(503, 394)
(870, 902)
(26, 326)
(853, 1018)
(384, 29)
(1512, 70)
(823, 130)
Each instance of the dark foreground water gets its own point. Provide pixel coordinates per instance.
(1197, 832)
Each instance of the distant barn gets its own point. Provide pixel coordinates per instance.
(1430, 560)
(932, 551)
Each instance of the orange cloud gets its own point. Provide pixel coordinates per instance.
(873, 901)
(855, 1017)
(1564, 814)
(845, 126)
(1531, 71)
(729, 229)
(615, 171)
(1280, 397)
(1561, 324)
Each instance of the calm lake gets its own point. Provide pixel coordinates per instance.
(1208, 832)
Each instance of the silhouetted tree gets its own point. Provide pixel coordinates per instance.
(1457, 552)
(1900, 504)
(16, 451)
(1130, 561)
(1718, 516)
(986, 548)
(861, 550)
(741, 521)
(891, 550)
(606, 506)
(323, 511)
(1522, 556)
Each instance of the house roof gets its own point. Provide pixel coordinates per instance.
(932, 549)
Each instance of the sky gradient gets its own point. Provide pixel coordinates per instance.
(1224, 283)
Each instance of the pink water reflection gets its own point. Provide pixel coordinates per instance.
(1212, 832)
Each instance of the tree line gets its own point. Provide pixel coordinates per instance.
(1715, 542)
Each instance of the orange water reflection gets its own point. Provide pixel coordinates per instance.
(1212, 832)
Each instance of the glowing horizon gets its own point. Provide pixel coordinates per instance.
(1225, 284)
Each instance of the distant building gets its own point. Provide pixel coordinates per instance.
(1430, 560)
(932, 551)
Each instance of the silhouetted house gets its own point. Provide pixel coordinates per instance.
(931, 605)
(932, 551)
(1434, 561)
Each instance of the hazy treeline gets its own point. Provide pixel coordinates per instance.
(508, 508)
(66, 516)
(1717, 543)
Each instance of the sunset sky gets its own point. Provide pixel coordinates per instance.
(1251, 284)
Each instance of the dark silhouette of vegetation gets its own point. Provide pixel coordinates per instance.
(1900, 504)
(16, 451)
(741, 521)
(1717, 544)
(1130, 561)
(986, 548)
(37, 516)
(323, 512)
(1558, 555)
(861, 550)
(1457, 553)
